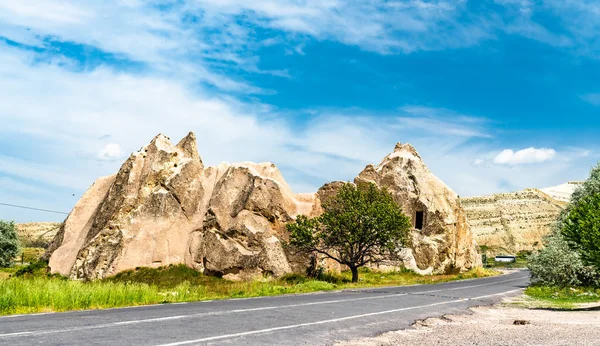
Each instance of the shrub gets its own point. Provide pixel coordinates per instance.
(36, 268)
(558, 265)
(9, 243)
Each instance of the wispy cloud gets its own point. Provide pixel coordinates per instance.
(443, 121)
(575, 24)
(79, 111)
(110, 152)
(593, 98)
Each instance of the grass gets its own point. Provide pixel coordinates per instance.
(520, 263)
(29, 254)
(38, 293)
(5, 273)
(562, 298)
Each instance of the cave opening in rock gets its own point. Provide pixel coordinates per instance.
(419, 220)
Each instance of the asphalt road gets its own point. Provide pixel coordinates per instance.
(306, 319)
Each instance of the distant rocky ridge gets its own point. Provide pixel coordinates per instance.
(164, 207)
(37, 234)
(507, 223)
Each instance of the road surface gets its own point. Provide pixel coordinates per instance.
(306, 319)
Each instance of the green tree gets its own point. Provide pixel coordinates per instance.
(571, 255)
(9, 243)
(581, 228)
(360, 225)
(589, 187)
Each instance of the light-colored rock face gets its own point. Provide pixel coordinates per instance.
(37, 234)
(245, 222)
(164, 207)
(562, 192)
(507, 223)
(445, 242)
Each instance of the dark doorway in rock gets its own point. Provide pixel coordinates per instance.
(419, 220)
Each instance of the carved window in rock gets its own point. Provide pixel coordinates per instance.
(419, 220)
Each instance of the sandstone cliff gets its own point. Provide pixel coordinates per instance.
(164, 207)
(507, 223)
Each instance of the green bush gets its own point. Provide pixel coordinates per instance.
(9, 243)
(558, 265)
(36, 268)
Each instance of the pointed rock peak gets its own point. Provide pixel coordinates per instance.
(160, 142)
(188, 145)
(191, 137)
(405, 149)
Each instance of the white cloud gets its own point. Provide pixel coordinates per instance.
(524, 156)
(110, 152)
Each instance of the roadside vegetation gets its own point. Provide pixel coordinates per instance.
(360, 225)
(9, 243)
(566, 298)
(567, 270)
(31, 290)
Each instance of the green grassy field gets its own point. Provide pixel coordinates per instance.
(39, 293)
(563, 298)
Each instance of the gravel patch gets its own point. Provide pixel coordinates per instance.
(497, 325)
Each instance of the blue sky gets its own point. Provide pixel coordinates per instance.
(495, 95)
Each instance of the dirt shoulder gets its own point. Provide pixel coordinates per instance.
(495, 325)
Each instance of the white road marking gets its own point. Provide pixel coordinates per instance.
(472, 286)
(268, 330)
(160, 319)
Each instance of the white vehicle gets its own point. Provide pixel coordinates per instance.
(506, 259)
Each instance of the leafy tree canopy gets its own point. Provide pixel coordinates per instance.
(581, 228)
(9, 243)
(360, 225)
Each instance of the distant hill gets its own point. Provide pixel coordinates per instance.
(37, 234)
(507, 223)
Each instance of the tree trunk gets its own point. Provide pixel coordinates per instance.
(354, 274)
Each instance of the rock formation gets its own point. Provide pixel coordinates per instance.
(442, 241)
(507, 223)
(164, 207)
